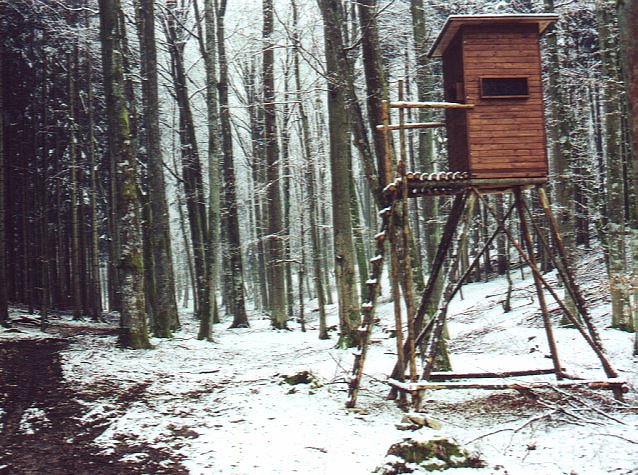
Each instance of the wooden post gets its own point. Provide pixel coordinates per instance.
(437, 266)
(396, 297)
(609, 370)
(563, 267)
(547, 323)
(385, 113)
(408, 293)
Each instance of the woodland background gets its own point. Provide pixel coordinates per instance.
(157, 154)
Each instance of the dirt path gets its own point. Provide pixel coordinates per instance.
(42, 429)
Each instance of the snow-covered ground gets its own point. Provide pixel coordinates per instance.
(223, 407)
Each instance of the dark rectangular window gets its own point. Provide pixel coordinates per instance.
(498, 88)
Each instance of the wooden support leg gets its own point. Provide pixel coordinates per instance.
(437, 332)
(406, 261)
(547, 322)
(564, 268)
(609, 370)
(569, 281)
(396, 297)
(437, 266)
(455, 287)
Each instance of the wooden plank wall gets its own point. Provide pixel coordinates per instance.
(506, 136)
(456, 119)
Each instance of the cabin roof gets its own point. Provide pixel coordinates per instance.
(454, 24)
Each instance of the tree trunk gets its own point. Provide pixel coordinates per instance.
(628, 23)
(376, 89)
(133, 332)
(76, 291)
(275, 226)
(208, 47)
(287, 180)
(341, 171)
(561, 148)
(4, 305)
(165, 305)
(96, 293)
(191, 164)
(617, 265)
(311, 186)
(237, 302)
(430, 205)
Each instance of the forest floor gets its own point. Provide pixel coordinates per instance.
(73, 402)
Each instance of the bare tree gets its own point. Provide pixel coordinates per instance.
(341, 171)
(4, 311)
(277, 292)
(615, 226)
(628, 22)
(130, 267)
(161, 265)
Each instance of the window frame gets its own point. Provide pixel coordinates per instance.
(511, 96)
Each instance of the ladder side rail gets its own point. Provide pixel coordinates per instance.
(367, 310)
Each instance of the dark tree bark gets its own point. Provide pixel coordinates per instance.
(628, 23)
(4, 310)
(76, 276)
(96, 287)
(376, 89)
(191, 164)
(237, 302)
(208, 45)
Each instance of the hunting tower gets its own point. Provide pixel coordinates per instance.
(496, 144)
(494, 63)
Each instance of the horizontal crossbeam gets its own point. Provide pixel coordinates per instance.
(412, 125)
(448, 375)
(429, 105)
(611, 383)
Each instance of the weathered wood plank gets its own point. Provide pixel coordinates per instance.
(430, 105)
(415, 125)
(610, 383)
(448, 375)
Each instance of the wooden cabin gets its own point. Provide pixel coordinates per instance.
(494, 62)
